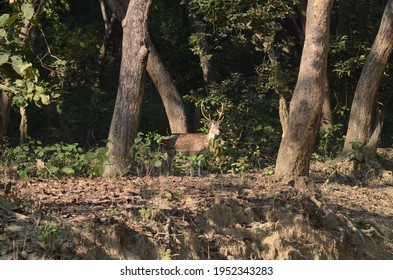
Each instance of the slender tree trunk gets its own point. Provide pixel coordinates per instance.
(327, 113)
(364, 120)
(306, 104)
(5, 106)
(25, 34)
(283, 113)
(170, 96)
(23, 125)
(126, 115)
(108, 25)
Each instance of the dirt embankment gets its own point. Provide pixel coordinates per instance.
(217, 217)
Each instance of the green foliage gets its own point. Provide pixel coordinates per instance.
(33, 159)
(18, 75)
(246, 132)
(331, 142)
(357, 153)
(145, 154)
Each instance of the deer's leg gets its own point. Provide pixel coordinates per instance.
(170, 156)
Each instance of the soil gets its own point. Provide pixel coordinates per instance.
(250, 216)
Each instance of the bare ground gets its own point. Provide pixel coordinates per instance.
(330, 216)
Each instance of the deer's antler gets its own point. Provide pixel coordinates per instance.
(208, 118)
(220, 113)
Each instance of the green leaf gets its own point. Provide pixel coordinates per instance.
(45, 99)
(24, 66)
(12, 19)
(4, 19)
(137, 140)
(158, 163)
(3, 33)
(67, 170)
(99, 169)
(16, 62)
(3, 58)
(53, 169)
(102, 151)
(27, 10)
(359, 156)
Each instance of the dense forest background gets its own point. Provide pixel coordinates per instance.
(62, 77)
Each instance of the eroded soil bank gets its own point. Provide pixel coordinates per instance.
(213, 217)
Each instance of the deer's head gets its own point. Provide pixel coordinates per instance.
(214, 125)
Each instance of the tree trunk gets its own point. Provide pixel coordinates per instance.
(5, 106)
(23, 125)
(108, 25)
(283, 113)
(306, 104)
(327, 113)
(170, 96)
(126, 115)
(363, 120)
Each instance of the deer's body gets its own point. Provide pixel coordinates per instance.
(191, 143)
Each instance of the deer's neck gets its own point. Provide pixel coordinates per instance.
(211, 135)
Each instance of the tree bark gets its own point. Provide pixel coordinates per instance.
(126, 115)
(5, 106)
(170, 96)
(327, 113)
(306, 105)
(23, 125)
(364, 120)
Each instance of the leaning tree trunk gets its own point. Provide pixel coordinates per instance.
(161, 78)
(126, 115)
(364, 121)
(306, 104)
(171, 98)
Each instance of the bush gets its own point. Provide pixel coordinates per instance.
(33, 159)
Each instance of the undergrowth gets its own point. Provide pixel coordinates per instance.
(34, 159)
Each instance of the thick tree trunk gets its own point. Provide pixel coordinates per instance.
(306, 104)
(126, 115)
(327, 113)
(363, 120)
(170, 96)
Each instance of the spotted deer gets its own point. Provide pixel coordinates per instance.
(192, 143)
